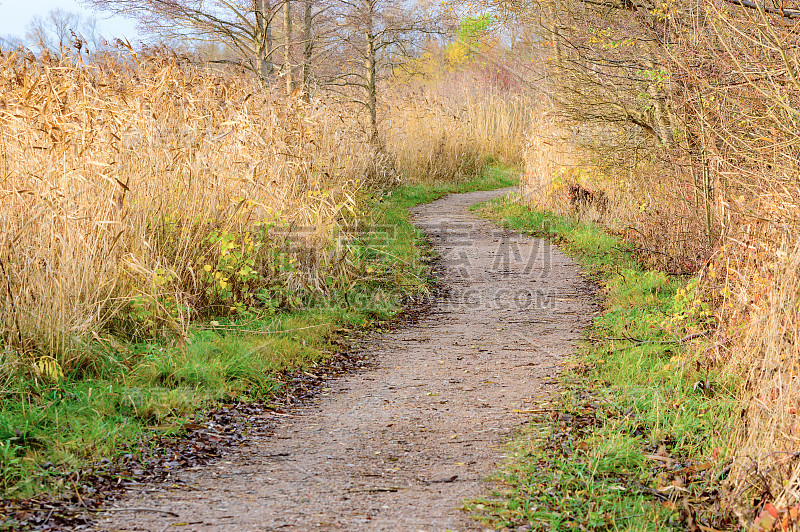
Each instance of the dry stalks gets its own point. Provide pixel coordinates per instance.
(742, 99)
(568, 171)
(713, 190)
(442, 133)
(136, 192)
(762, 334)
(548, 154)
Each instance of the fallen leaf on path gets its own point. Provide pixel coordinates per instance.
(770, 508)
(659, 458)
(707, 528)
(700, 467)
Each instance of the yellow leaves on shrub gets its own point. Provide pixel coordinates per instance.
(49, 368)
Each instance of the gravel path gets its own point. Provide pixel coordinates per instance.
(401, 444)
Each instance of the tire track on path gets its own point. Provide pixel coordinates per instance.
(401, 444)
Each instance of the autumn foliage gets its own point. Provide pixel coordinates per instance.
(682, 114)
(142, 191)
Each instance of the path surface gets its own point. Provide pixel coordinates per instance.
(400, 445)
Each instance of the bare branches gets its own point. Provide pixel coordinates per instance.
(787, 13)
(244, 26)
(374, 36)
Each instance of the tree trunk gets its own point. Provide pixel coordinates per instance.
(270, 42)
(554, 32)
(263, 38)
(371, 71)
(308, 49)
(701, 175)
(287, 51)
(708, 196)
(662, 119)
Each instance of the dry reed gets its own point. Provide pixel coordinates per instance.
(436, 132)
(138, 191)
(635, 196)
(720, 201)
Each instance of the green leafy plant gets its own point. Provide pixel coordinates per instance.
(688, 306)
(228, 269)
(9, 464)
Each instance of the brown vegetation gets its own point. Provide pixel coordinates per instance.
(442, 131)
(682, 115)
(140, 192)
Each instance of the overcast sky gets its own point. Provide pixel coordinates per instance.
(15, 15)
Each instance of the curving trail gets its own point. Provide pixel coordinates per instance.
(399, 445)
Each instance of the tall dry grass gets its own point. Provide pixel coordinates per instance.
(140, 191)
(751, 277)
(760, 340)
(754, 280)
(443, 131)
(718, 196)
(601, 174)
(741, 97)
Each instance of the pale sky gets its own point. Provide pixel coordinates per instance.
(15, 15)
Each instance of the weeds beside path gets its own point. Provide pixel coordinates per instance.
(153, 407)
(399, 445)
(638, 438)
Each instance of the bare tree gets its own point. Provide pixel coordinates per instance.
(10, 42)
(375, 36)
(308, 46)
(244, 26)
(320, 43)
(55, 30)
(262, 37)
(347, 45)
(287, 45)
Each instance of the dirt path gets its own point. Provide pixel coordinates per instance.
(400, 445)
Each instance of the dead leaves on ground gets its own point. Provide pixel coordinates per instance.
(217, 431)
(773, 519)
(573, 429)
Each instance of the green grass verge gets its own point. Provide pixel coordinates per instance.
(49, 426)
(637, 439)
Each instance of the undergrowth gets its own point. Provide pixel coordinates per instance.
(53, 422)
(638, 440)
